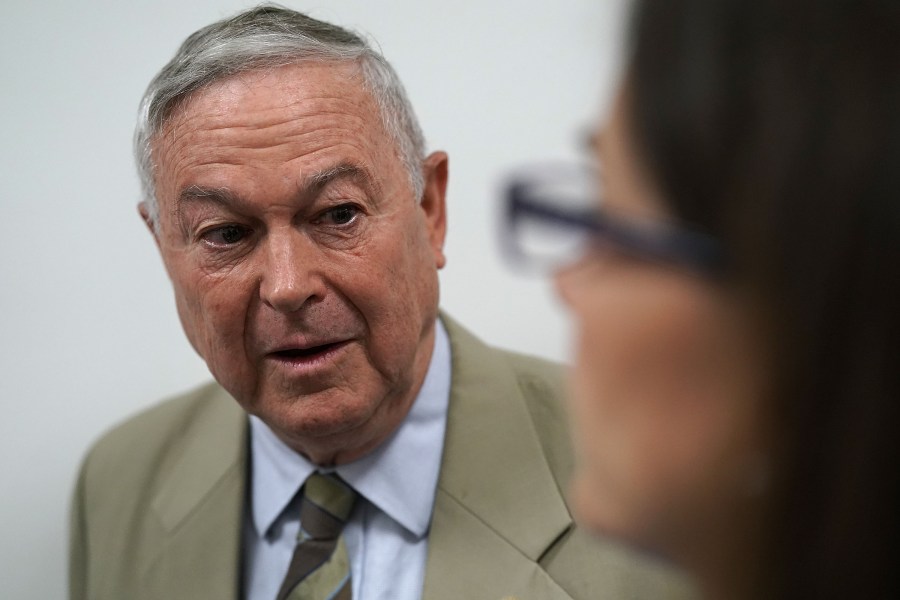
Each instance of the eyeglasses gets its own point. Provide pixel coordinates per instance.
(553, 218)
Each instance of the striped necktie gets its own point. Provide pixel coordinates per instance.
(320, 567)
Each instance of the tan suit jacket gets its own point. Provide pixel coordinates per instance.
(159, 503)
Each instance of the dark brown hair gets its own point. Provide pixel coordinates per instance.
(775, 125)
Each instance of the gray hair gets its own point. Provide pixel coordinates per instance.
(270, 36)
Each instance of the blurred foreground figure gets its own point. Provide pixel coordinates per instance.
(357, 444)
(738, 299)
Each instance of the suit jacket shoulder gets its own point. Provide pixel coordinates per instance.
(158, 508)
(501, 526)
(152, 495)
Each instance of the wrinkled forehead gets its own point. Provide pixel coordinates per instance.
(281, 113)
(287, 87)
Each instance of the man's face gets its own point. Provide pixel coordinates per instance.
(304, 270)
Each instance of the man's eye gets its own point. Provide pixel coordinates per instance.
(340, 215)
(226, 235)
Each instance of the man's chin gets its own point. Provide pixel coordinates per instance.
(316, 427)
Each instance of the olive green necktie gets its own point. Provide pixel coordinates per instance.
(320, 567)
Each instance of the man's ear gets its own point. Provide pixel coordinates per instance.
(433, 203)
(148, 221)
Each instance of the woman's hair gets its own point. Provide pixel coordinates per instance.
(775, 125)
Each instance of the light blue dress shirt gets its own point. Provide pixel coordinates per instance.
(387, 534)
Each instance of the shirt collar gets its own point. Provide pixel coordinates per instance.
(399, 477)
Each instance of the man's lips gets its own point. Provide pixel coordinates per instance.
(306, 354)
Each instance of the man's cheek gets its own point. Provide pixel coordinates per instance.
(204, 316)
(189, 315)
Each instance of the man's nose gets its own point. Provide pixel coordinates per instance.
(291, 277)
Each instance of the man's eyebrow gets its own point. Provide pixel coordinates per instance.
(199, 192)
(216, 195)
(351, 171)
(316, 182)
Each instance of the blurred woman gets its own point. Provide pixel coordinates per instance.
(737, 380)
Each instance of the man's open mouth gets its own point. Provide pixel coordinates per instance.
(294, 354)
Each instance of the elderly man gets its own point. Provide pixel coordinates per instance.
(375, 449)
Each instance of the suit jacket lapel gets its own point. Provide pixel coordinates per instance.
(498, 507)
(200, 510)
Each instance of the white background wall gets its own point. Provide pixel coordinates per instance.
(88, 331)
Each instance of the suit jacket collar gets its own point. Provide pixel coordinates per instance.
(200, 507)
(498, 501)
(497, 510)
